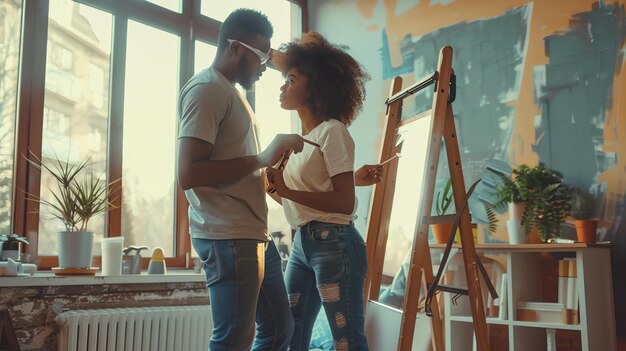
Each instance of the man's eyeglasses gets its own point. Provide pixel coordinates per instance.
(263, 57)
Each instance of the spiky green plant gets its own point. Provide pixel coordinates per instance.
(444, 200)
(78, 196)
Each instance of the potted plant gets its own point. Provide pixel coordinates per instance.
(583, 209)
(11, 246)
(547, 198)
(78, 196)
(442, 224)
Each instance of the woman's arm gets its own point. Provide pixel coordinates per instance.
(340, 200)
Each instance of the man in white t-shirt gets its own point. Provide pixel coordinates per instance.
(219, 162)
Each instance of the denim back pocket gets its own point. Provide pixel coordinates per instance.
(325, 233)
(211, 264)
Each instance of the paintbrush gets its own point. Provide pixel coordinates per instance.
(398, 155)
(310, 142)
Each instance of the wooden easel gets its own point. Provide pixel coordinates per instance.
(442, 126)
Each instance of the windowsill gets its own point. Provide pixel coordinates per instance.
(47, 278)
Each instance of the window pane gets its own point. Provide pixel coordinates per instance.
(219, 10)
(173, 5)
(204, 55)
(76, 101)
(150, 126)
(10, 14)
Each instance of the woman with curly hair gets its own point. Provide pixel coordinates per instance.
(328, 263)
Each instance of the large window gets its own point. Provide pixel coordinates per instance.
(10, 14)
(100, 81)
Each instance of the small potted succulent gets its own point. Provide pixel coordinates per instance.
(583, 210)
(442, 223)
(11, 246)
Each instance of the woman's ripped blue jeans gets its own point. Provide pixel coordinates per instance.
(327, 267)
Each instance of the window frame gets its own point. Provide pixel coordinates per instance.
(188, 24)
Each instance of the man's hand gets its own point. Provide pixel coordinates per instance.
(278, 146)
(368, 175)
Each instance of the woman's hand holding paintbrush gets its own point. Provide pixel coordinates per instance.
(371, 174)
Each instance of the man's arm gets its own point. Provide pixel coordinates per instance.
(196, 169)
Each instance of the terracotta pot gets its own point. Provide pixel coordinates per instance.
(586, 230)
(441, 232)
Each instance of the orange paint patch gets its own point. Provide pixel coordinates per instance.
(615, 141)
(366, 8)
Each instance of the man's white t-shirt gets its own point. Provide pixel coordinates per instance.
(312, 169)
(211, 109)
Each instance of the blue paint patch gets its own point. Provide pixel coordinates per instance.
(388, 70)
(577, 92)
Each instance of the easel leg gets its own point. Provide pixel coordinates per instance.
(467, 239)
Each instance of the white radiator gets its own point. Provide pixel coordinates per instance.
(135, 329)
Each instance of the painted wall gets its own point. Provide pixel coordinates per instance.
(539, 81)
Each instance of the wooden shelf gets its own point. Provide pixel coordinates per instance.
(490, 320)
(545, 325)
(523, 266)
(528, 247)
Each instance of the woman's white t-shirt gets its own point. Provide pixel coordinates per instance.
(311, 170)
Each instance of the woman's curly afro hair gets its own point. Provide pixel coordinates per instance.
(336, 81)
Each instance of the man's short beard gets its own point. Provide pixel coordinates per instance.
(244, 81)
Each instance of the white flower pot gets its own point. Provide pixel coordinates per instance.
(75, 249)
(517, 232)
(516, 209)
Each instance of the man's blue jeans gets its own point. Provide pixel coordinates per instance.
(245, 283)
(327, 266)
